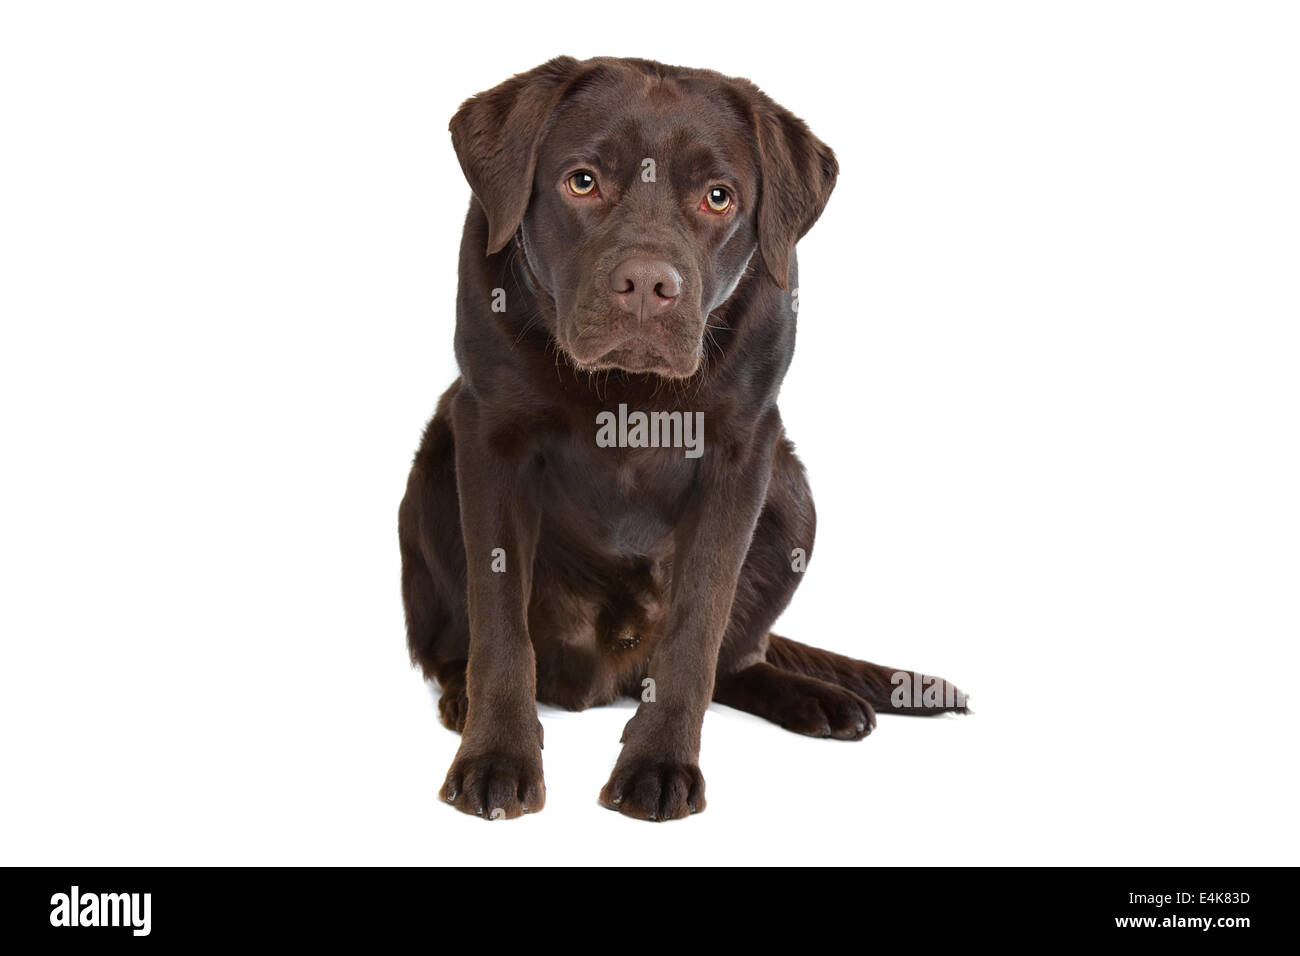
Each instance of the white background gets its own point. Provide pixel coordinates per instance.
(1046, 388)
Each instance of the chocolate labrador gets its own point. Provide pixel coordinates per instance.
(605, 503)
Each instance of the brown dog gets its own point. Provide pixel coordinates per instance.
(627, 281)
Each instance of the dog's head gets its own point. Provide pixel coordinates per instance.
(640, 194)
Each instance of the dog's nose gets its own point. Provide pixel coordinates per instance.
(645, 287)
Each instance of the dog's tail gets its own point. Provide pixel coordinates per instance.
(889, 690)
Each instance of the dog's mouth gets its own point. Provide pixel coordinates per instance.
(652, 348)
(639, 355)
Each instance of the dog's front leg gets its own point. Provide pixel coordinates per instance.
(657, 776)
(498, 769)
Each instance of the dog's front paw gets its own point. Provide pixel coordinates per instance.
(495, 784)
(654, 789)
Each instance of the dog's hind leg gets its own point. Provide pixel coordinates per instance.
(433, 574)
(889, 690)
(746, 678)
(801, 688)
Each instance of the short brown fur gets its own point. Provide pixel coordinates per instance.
(621, 564)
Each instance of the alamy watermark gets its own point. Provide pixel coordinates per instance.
(626, 429)
(102, 909)
(917, 691)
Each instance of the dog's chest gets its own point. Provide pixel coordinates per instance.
(624, 501)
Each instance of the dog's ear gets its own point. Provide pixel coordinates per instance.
(496, 135)
(799, 172)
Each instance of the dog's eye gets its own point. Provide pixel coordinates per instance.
(717, 200)
(582, 183)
